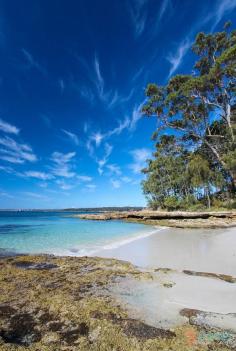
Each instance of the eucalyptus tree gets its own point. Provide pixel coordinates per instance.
(200, 108)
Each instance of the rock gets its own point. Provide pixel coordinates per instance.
(50, 338)
(225, 277)
(93, 335)
(179, 219)
(36, 266)
(20, 330)
(169, 285)
(140, 330)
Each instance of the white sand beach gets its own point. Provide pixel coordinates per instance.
(160, 300)
(205, 250)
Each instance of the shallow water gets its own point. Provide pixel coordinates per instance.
(159, 301)
(57, 233)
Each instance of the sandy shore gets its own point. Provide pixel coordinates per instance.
(182, 296)
(206, 250)
(192, 270)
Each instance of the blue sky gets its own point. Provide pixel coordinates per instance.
(72, 80)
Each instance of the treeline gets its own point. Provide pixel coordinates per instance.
(194, 165)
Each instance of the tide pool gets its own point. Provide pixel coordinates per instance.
(58, 233)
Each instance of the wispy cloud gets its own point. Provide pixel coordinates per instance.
(140, 157)
(84, 178)
(38, 175)
(73, 137)
(136, 116)
(8, 128)
(62, 164)
(121, 126)
(97, 138)
(223, 7)
(5, 194)
(32, 63)
(103, 161)
(108, 96)
(61, 85)
(116, 184)
(114, 169)
(177, 57)
(7, 169)
(138, 13)
(90, 187)
(86, 93)
(64, 185)
(15, 152)
(35, 195)
(164, 6)
(46, 120)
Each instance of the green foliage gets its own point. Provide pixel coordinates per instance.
(198, 161)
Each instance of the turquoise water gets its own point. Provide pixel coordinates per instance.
(57, 233)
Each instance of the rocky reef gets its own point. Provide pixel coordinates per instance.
(52, 303)
(178, 219)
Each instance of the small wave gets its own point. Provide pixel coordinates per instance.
(117, 244)
(93, 250)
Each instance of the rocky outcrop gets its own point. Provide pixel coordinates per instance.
(177, 219)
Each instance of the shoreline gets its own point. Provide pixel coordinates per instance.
(87, 301)
(155, 288)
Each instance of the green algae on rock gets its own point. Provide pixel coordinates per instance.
(49, 304)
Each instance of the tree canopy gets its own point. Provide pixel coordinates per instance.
(195, 157)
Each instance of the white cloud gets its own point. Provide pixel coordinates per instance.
(62, 166)
(15, 152)
(73, 137)
(117, 130)
(35, 195)
(138, 13)
(32, 62)
(126, 179)
(5, 194)
(99, 81)
(86, 93)
(84, 178)
(64, 186)
(107, 96)
(139, 159)
(97, 138)
(61, 85)
(176, 58)
(114, 169)
(116, 184)
(136, 116)
(38, 175)
(164, 6)
(223, 7)
(102, 162)
(6, 169)
(90, 186)
(8, 128)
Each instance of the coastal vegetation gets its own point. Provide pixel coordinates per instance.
(194, 165)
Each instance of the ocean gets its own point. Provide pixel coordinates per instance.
(55, 232)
